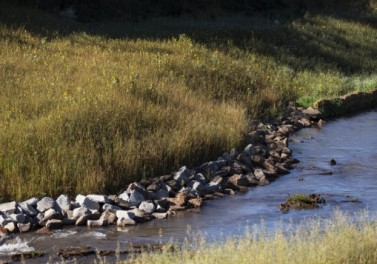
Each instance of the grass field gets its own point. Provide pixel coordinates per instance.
(91, 107)
(338, 240)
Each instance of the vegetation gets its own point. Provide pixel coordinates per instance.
(302, 201)
(338, 240)
(90, 107)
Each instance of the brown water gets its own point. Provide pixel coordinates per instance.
(352, 187)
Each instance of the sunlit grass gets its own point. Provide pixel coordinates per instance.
(338, 240)
(82, 111)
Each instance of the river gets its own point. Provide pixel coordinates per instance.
(352, 188)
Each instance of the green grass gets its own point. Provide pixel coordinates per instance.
(91, 107)
(339, 240)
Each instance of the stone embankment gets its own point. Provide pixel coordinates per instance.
(347, 104)
(262, 161)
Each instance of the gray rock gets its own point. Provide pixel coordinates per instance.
(99, 198)
(161, 193)
(123, 222)
(45, 204)
(197, 186)
(123, 214)
(8, 208)
(5, 219)
(63, 203)
(28, 209)
(107, 206)
(68, 221)
(160, 215)
(86, 202)
(182, 175)
(147, 207)
(95, 215)
(249, 150)
(54, 224)
(200, 178)
(23, 227)
(32, 201)
(110, 216)
(18, 218)
(81, 211)
(135, 198)
(97, 223)
(81, 220)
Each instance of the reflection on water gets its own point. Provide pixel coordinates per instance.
(352, 187)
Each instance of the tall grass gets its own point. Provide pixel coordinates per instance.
(91, 107)
(338, 240)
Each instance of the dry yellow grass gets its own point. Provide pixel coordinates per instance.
(84, 112)
(339, 240)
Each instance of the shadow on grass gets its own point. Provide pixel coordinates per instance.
(289, 35)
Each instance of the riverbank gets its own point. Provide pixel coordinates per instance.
(92, 107)
(263, 160)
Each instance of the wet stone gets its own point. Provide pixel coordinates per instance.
(54, 224)
(160, 215)
(97, 223)
(81, 220)
(123, 222)
(24, 227)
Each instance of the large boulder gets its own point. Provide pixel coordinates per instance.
(87, 202)
(63, 203)
(28, 209)
(45, 203)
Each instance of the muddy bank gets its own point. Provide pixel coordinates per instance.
(347, 104)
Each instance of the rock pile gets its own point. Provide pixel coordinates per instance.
(263, 160)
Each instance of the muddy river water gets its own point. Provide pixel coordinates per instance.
(352, 187)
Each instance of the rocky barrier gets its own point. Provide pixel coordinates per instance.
(262, 161)
(347, 104)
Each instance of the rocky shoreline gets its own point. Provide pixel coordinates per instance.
(265, 158)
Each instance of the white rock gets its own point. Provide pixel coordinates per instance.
(147, 207)
(84, 201)
(125, 214)
(8, 208)
(99, 198)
